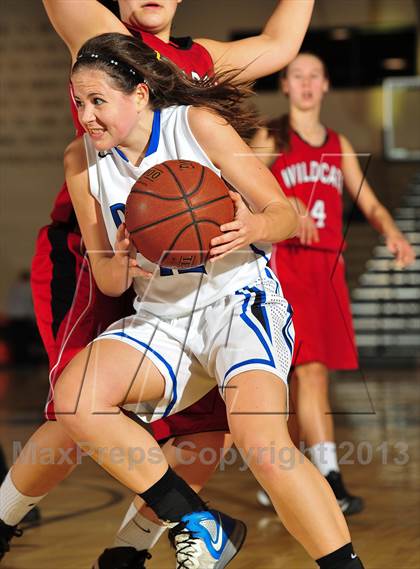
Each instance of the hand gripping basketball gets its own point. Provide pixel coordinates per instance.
(125, 256)
(174, 210)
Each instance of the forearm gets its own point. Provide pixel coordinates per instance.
(277, 222)
(290, 19)
(111, 275)
(380, 218)
(299, 206)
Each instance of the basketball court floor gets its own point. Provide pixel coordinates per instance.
(377, 422)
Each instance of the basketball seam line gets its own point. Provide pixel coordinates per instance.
(180, 232)
(190, 207)
(134, 190)
(141, 227)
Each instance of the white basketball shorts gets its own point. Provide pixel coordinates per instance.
(248, 330)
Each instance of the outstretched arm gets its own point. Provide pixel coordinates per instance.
(269, 216)
(276, 46)
(76, 21)
(377, 215)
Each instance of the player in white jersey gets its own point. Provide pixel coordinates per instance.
(174, 296)
(111, 177)
(117, 105)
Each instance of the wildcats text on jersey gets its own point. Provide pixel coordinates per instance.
(313, 172)
(314, 175)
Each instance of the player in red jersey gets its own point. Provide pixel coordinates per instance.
(313, 164)
(70, 309)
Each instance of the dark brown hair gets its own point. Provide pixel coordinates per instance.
(279, 128)
(129, 61)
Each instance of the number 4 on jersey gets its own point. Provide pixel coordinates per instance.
(319, 214)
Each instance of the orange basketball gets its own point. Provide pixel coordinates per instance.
(174, 210)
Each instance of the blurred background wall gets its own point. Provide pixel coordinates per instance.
(35, 117)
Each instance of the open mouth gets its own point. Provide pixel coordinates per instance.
(152, 5)
(96, 132)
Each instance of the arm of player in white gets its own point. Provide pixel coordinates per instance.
(276, 46)
(272, 218)
(264, 147)
(113, 271)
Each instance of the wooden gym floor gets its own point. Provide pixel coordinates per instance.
(381, 444)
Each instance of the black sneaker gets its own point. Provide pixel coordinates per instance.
(32, 518)
(122, 558)
(349, 504)
(6, 534)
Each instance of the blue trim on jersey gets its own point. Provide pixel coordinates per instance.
(286, 330)
(165, 272)
(263, 309)
(199, 269)
(159, 357)
(255, 329)
(259, 252)
(115, 208)
(270, 274)
(155, 136)
(121, 153)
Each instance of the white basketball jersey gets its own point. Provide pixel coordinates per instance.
(170, 292)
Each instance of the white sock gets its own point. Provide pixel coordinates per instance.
(13, 505)
(137, 531)
(324, 457)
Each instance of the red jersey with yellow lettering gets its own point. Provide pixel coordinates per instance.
(189, 56)
(313, 174)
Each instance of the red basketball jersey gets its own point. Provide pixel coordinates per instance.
(189, 56)
(313, 174)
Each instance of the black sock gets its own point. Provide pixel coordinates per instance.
(342, 558)
(3, 466)
(171, 498)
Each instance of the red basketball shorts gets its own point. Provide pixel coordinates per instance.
(71, 312)
(313, 282)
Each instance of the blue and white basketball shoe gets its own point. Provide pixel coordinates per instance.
(207, 540)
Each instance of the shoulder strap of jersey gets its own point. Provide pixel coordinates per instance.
(183, 43)
(334, 138)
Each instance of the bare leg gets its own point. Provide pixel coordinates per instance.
(93, 385)
(300, 495)
(312, 403)
(51, 442)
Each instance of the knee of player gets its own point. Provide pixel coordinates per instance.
(312, 376)
(71, 403)
(255, 449)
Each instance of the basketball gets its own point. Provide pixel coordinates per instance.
(173, 212)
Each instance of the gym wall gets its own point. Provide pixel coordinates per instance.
(35, 117)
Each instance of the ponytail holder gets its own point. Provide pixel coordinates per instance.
(158, 56)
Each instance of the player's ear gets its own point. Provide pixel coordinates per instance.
(326, 87)
(142, 96)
